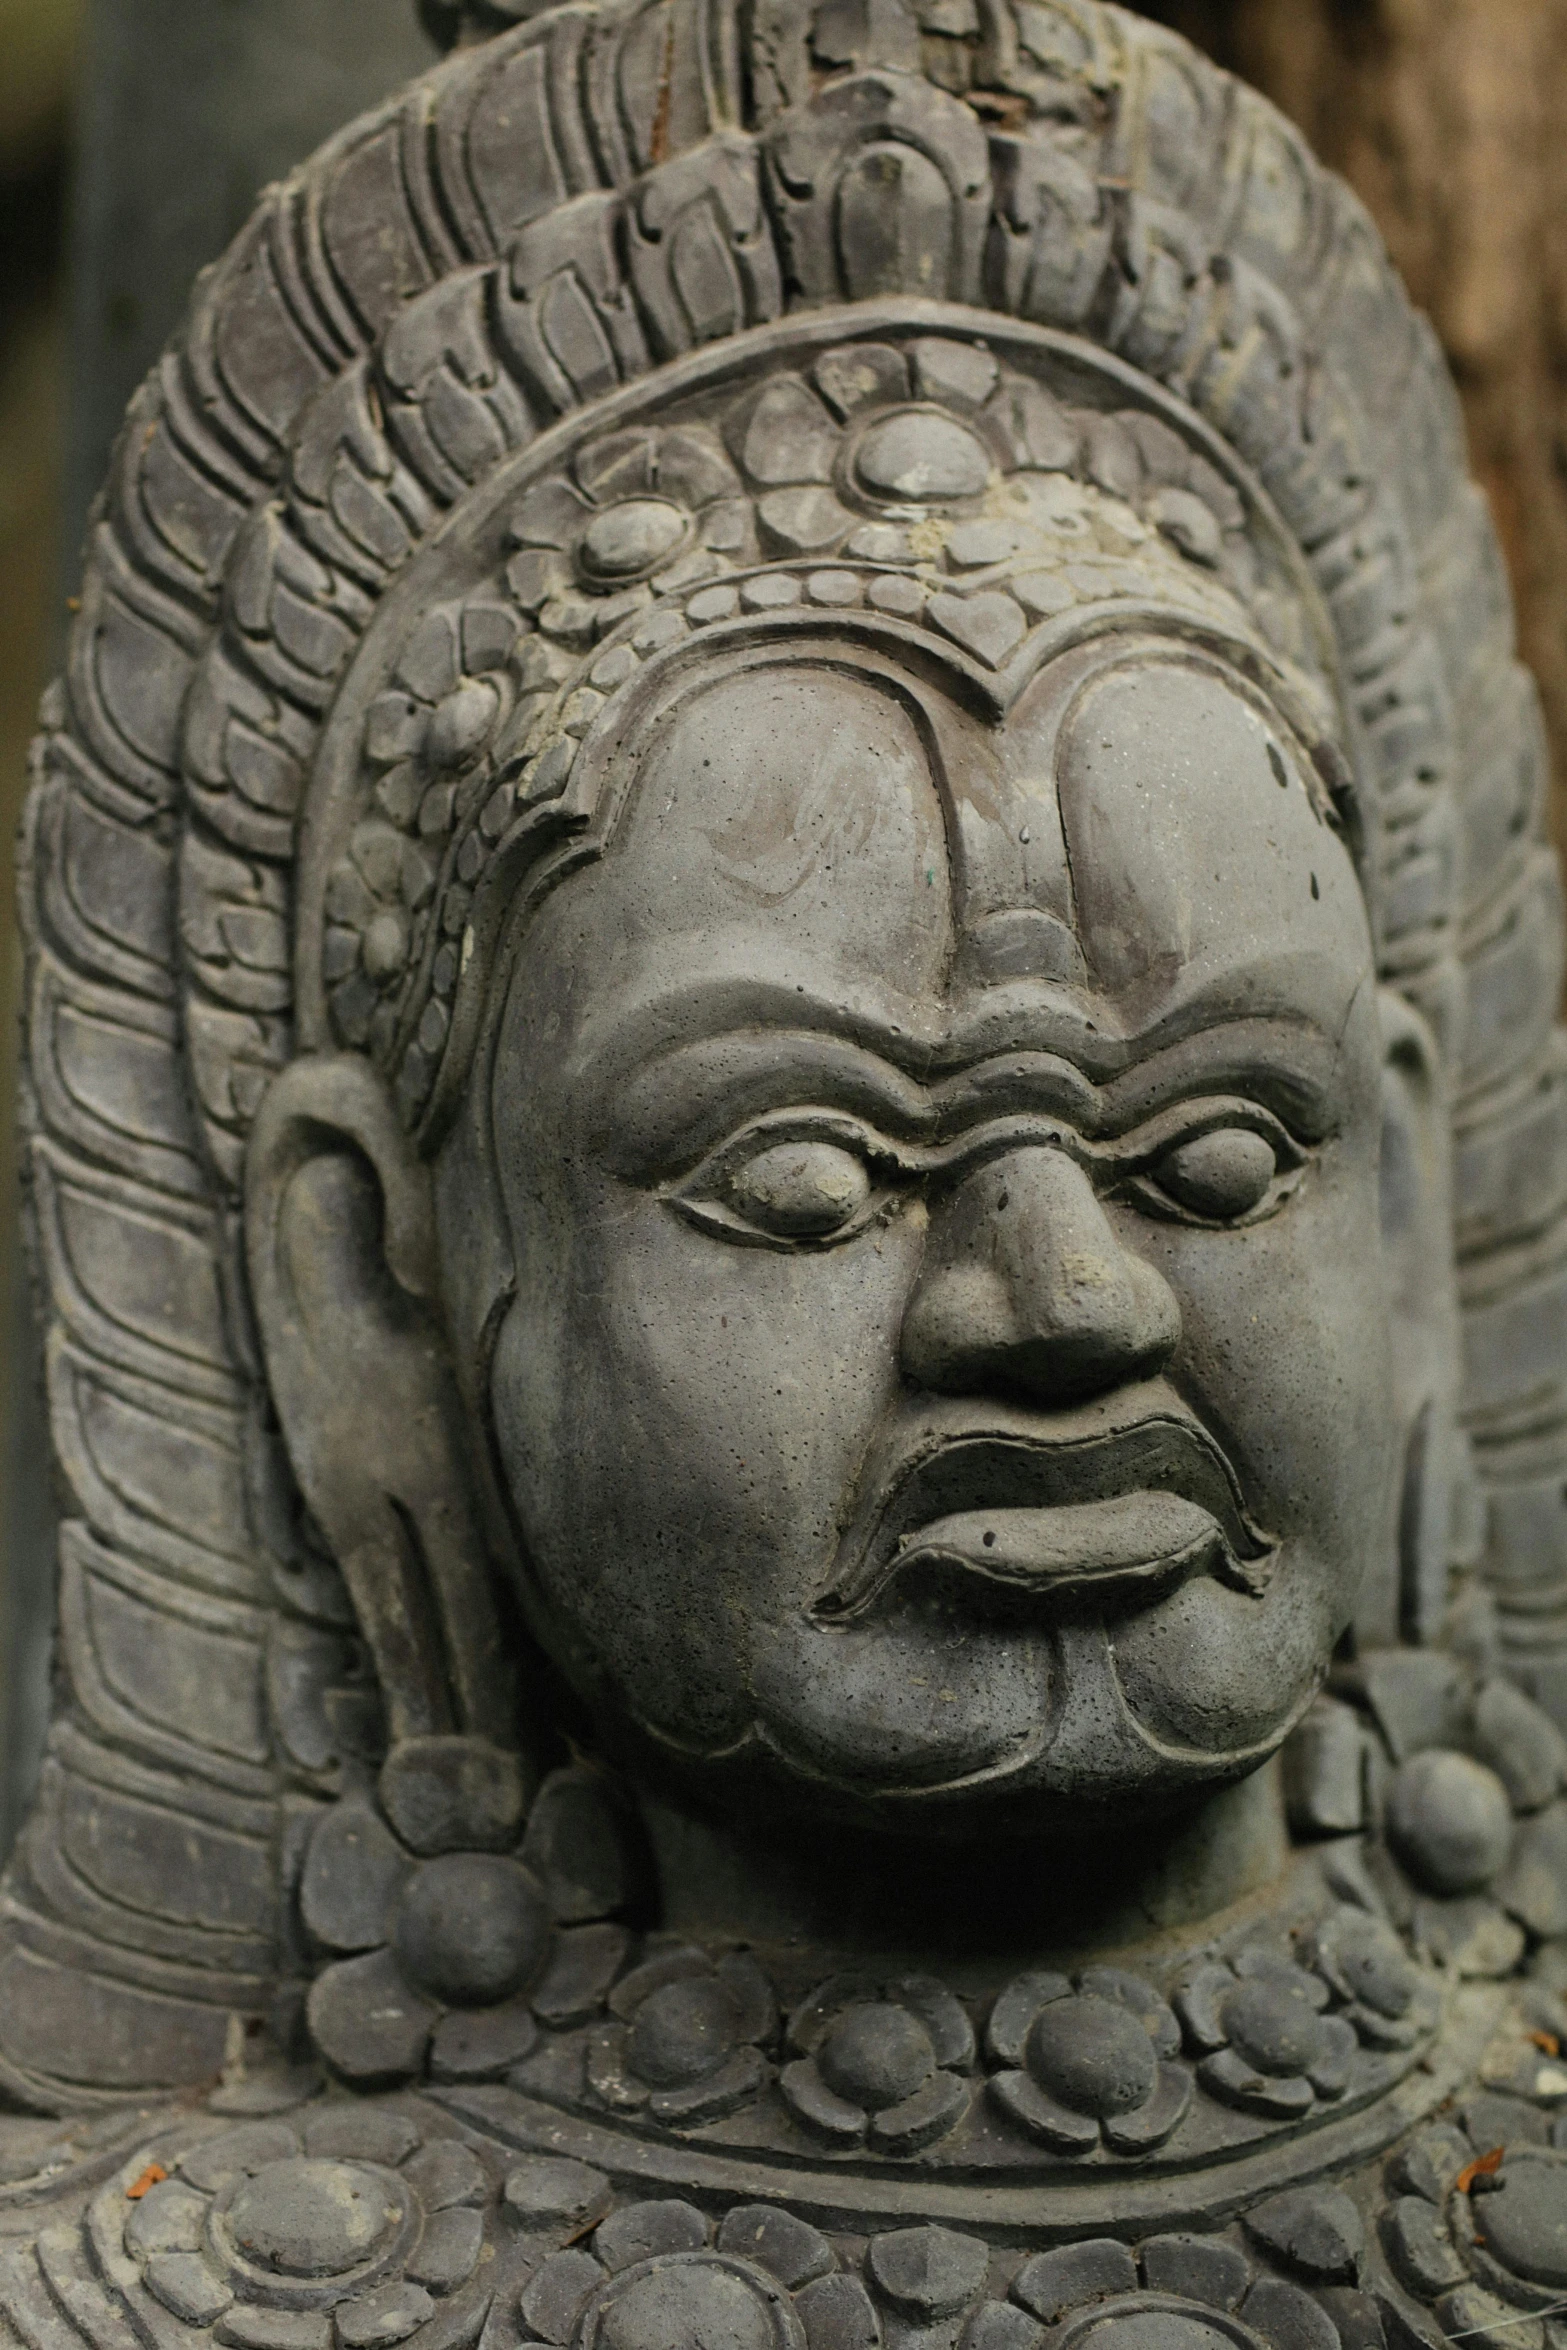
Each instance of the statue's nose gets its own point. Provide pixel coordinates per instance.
(1026, 1288)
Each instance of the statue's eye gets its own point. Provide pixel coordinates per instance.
(784, 1190)
(799, 1190)
(1220, 1176)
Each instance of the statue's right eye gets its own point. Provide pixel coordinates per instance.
(800, 1190)
(782, 1190)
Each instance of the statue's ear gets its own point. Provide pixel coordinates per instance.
(340, 1239)
(1417, 1240)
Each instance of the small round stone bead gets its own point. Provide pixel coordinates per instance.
(460, 723)
(1449, 1821)
(385, 948)
(631, 538)
(1094, 2055)
(306, 2218)
(1273, 2026)
(921, 459)
(471, 1928)
(684, 2031)
(876, 2054)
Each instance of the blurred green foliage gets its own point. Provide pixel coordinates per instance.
(38, 46)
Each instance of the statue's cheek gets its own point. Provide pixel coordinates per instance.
(1220, 1671)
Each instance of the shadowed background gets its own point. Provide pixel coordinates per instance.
(135, 133)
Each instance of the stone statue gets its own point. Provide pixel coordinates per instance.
(799, 1154)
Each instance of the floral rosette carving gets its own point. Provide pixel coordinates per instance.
(685, 2038)
(1090, 2064)
(1474, 2219)
(882, 2064)
(1198, 2292)
(281, 2235)
(1282, 2035)
(1266, 2045)
(1385, 1999)
(436, 812)
(640, 508)
(476, 707)
(658, 2273)
(1473, 1815)
(452, 1929)
(1467, 1819)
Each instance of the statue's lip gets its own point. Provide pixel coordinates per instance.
(1113, 1513)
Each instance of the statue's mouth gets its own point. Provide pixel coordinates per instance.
(1116, 1516)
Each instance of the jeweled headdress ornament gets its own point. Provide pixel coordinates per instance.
(632, 338)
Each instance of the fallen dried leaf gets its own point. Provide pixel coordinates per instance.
(152, 2176)
(1547, 2043)
(1484, 2166)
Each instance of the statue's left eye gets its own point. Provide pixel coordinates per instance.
(1219, 1176)
(800, 1190)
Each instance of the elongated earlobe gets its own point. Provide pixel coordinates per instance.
(1408, 1602)
(340, 1240)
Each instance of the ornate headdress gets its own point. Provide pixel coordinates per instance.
(641, 329)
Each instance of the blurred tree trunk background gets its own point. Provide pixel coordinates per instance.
(1448, 116)
(1449, 119)
(38, 47)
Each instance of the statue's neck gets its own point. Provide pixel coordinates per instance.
(894, 1905)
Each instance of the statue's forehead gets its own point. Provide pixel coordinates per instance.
(1172, 828)
(787, 816)
(1138, 835)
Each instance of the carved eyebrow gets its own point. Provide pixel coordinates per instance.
(1288, 1065)
(683, 1101)
(725, 1007)
(667, 1093)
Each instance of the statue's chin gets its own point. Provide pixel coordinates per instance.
(915, 1725)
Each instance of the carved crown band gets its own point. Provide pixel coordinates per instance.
(913, 487)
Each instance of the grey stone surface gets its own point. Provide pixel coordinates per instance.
(376, 2321)
(1316, 2230)
(552, 2298)
(784, 823)
(1525, 2222)
(1450, 1820)
(996, 2325)
(642, 2230)
(790, 2247)
(837, 2314)
(1054, 2282)
(350, 2131)
(546, 2189)
(928, 2272)
(1420, 2249)
(1198, 2267)
(1287, 2318)
(446, 2175)
(448, 2250)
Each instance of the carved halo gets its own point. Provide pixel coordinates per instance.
(543, 219)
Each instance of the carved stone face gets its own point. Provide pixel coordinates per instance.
(948, 1378)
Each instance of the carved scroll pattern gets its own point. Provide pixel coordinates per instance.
(536, 221)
